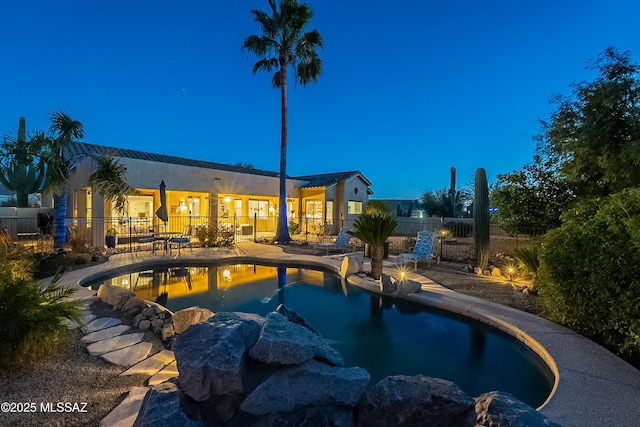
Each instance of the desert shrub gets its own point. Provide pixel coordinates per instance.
(408, 244)
(294, 228)
(31, 316)
(211, 236)
(459, 229)
(589, 273)
(80, 258)
(16, 262)
(527, 259)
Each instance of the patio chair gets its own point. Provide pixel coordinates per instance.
(423, 250)
(342, 242)
(143, 239)
(182, 240)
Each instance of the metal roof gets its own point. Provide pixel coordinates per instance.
(83, 148)
(320, 180)
(329, 179)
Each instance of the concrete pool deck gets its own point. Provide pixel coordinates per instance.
(593, 386)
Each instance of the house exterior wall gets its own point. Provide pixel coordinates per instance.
(215, 189)
(355, 189)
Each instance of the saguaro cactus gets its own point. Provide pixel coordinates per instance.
(451, 200)
(481, 218)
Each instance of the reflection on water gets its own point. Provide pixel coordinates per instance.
(383, 335)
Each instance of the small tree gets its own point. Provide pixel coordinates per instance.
(374, 230)
(596, 131)
(532, 198)
(109, 181)
(377, 206)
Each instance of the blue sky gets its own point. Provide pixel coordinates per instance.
(409, 88)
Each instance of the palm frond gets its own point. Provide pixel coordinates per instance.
(374, 228)
(266, 64)
(284, 39)
(64, 127)
(109, 180)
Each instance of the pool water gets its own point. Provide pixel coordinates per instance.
(385, 336)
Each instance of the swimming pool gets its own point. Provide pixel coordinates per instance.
(384, 335)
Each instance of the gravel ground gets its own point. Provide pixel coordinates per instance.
(76, 377)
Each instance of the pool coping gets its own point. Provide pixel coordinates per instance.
(593, 386)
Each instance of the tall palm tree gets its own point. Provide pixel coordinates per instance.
(64, 130)
(284, 42)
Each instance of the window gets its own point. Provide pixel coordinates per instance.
(354, 207)
(329, 218)
(258, 207)
(314, 209)
(237, 207)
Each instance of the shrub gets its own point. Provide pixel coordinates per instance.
(528, 259)
(31, 317)
(589, 274)
(294, 228)
(211, 236)
(459, 229)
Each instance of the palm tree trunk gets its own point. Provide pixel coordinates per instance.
(282, 230)
(377, 255)
(59, 228)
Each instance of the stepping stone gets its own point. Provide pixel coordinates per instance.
(71, 324)
(125, 413)
(151, 365)
(105, 333)
(86, 319)
(101, 323)
(128, 356)
(115, 343)
(170, 371)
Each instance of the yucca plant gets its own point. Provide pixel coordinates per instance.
(374, 229)
(527, 259)
(31, 319)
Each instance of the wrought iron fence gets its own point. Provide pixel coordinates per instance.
(454, 236)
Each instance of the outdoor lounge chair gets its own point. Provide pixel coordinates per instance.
(423, 250)
(341, 242)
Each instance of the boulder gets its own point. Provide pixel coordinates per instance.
(310, 384)
(134, 306)
(500, 409)
(144, 325)
(162, 406)
(387, 285)
(294, 317)
(416, 401)
(211, 355)
(190, 316)
(406, 287)
(113, 295)
(167, 331)
(350, 265)
(288, 343)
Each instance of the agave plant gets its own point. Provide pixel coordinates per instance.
(374, 229)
